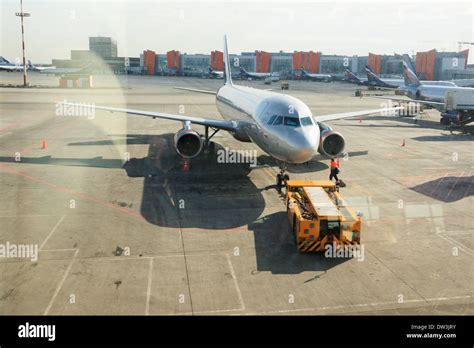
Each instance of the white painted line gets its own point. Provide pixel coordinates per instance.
(363, 305)
(148, 291)
(242, 305)
(458, 232)
(52, 231)
(438, 168)
(219, 311)
(457, 244)
(26, 215)
(120, 258)
(58, 288)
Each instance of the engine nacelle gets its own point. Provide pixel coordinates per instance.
(187, 142)
(331, 143)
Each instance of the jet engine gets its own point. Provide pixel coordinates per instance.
(188, 142)
(331, 143)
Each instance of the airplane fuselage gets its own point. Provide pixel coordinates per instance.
(11, 67)
(432, 93)
(280, 125)
(316, 77)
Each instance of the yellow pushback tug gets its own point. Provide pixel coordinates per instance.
(319, 216)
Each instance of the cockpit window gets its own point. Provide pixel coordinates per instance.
(292, 121)
(278, 121)
(306, 121)
(270, 121)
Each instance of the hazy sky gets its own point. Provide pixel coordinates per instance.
(339, 27)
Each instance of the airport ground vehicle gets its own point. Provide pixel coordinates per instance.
(319, 216)
(458, 110)
(285, 85)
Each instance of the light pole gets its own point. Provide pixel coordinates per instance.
(23, 14)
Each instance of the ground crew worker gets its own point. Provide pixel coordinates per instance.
(334, 169)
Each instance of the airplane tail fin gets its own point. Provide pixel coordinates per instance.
(4, 61)
(227, 72)
(371, 76)
(350, 75)
(409, 75)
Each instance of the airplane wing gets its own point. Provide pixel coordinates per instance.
(196, 90)
(221, 124)
(411, 101)
(331, 117)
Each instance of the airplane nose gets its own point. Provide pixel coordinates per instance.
(305, 148)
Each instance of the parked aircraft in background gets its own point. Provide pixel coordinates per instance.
(315, 77)
(353, 78)
(431, 95)
(426, 93)
(33, 67)
(257, 76)
(376, 81)
(215, 74)
(5, 65)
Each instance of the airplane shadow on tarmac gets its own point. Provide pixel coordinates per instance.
(447, 189)
(199, 193)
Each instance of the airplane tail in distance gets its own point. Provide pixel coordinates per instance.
(409, 76)
(4, 61)
(371, 76)
(227, 72)
(350, 75)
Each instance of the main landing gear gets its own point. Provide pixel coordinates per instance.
(282, 177)
(209, 146)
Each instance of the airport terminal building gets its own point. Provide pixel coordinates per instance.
(102, 57)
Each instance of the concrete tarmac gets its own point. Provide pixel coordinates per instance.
(123, 227)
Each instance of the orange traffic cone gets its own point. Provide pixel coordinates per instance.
(185, 166)
(43, 144)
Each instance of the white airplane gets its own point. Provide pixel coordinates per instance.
(258, 76)
(281, 125)
(5, 65)
(215, 74)
(33, 67)
(315, 77)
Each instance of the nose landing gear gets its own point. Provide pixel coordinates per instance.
(282, 177)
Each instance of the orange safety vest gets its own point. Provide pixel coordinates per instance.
(334, 164)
